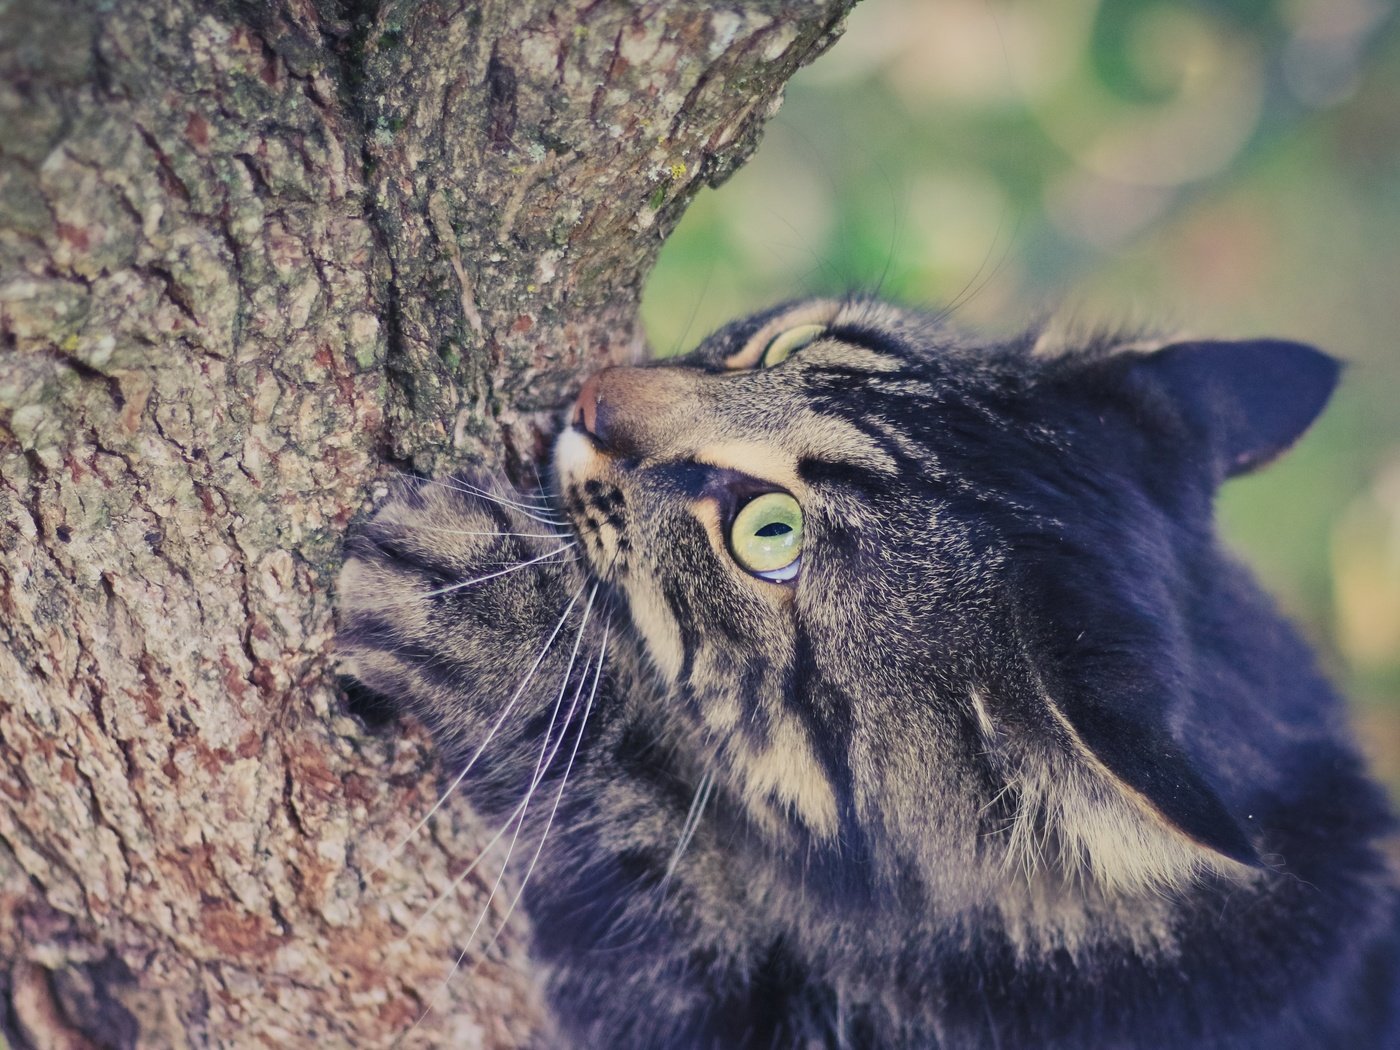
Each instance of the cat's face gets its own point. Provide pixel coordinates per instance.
(897, 586)
(673, 474)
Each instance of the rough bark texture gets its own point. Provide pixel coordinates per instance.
(252, 255)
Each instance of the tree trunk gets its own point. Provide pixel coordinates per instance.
(254, 254)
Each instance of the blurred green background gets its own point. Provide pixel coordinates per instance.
(1229, 168)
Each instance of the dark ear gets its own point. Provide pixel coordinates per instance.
(1248, 401)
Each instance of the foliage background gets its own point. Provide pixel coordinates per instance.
(1230, 167)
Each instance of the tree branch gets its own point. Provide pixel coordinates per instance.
(248, 254)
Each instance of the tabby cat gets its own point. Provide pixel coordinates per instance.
(883, 688)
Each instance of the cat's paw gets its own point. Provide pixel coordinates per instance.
(449, 592)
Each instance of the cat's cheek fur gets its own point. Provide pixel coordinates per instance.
(1105, 832)
(436, 616)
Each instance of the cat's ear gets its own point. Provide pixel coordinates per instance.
(1245, 402)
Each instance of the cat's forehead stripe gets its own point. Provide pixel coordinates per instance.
(833, 438)
(814, 436)
(866, 349)
(855, 363)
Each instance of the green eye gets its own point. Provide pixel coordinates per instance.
(783, 344)
(766, 536)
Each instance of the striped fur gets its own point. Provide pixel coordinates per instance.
(1020, 759)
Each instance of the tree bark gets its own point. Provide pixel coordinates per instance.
(254, 255)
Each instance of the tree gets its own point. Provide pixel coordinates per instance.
(255, 255)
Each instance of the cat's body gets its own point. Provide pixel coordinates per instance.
(1011, 756)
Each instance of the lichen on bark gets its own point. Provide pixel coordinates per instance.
(253, 257)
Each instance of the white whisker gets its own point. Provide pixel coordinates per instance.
(692, 821)
(510, 567)
(546, 755)
(459, 879)
(500, 720)
(558, 795)
(515, 496)
(491, 895)
(459, 485)
(519, 811)
(541, 765)
(470, 532)
(534, 513)
(493, 575)
(529, 510)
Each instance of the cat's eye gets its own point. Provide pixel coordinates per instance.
(766, 537)
(785, 343)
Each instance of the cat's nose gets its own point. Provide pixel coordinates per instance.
(630, 411)
(600, 408)
(585, 415)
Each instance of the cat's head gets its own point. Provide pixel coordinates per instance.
(934, 606)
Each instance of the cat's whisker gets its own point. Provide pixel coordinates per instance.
(510, 567)
(458, 879)
(518, 814)
(505, 865)
(558, 795)
(520, 822)
(707, 791)
(457, 963)
(493, 575)
(529, 510)
(460, 485)
(470, 532)
(547, 755)
(533, 513)
(543, 763)
(495, 728)
(543, 490)
(996, 798)
(692, 819)
(982, 276)
(516, 494)
(520, 809)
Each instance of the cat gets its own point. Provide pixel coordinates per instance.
(905, 696)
